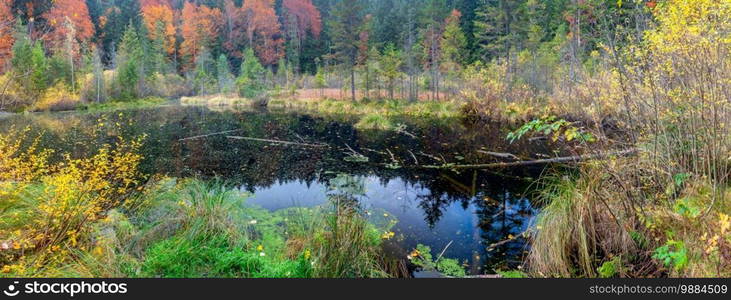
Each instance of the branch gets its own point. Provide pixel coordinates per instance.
(276, 141)
(566, 159)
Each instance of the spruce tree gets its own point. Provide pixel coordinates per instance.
(345, 30)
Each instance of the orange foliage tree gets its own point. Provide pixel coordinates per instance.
(157, 16)
(68, 17)
(6, 33)
(200, 26)
(263, 30)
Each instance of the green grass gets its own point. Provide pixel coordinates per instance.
(120, 105)
(215, 256)
(375, 121)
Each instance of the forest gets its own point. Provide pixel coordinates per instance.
(576, 138)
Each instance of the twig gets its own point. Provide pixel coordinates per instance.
(414, 157)
(444, 250)
(402, 129)
(500, 154)
(503, 242)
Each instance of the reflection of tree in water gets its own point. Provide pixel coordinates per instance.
(504, 217)
(344, 190)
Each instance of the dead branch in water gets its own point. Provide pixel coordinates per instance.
(566, 159)
(500, 154)
(277, 141)
(207, 135)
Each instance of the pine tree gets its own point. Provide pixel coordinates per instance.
(453, 42)
(497, 28)
(129, 74)
(391, 63)
(345, 30)
(320, 80)
(250, 82)
(29, 64)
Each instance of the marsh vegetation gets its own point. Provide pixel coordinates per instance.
(337, 139)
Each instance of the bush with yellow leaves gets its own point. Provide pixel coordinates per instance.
(57, 98)
(48, 210)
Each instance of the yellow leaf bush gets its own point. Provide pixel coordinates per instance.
(48, 209)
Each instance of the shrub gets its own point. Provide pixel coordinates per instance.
(50, 210)
(57, 98)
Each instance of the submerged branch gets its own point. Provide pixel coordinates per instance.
(500, 154)
(566, 159)
(276, 141)
(207, 135)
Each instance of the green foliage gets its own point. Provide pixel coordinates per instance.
(129, 73)
(214, 256)
(391, 63)
(422, 257)
(687, 207)
(512, 274)
(250, 82)
(30, 64)
(226, 80)
(610, 268)
(551, 126)
(672, 254)
(204, 76)
(122, 105)
(375, 121)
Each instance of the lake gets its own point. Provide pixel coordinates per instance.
(287, 158)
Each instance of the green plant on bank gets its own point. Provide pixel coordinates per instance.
(374, 121)
(512, 274)
(422, 257)
(672, 254)
(554, 127)
(610, 268)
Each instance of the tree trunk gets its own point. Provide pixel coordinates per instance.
(352, 83)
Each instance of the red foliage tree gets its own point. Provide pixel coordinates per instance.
(6, 33)
(68, 17)
(200, 26)
(263, 30)
(233, 28)
(157, 16)
(302, 16)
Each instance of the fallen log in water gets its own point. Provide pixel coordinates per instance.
(207, 135)
(277, 141)
(565, 159)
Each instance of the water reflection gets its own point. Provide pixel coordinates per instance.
(473, 209)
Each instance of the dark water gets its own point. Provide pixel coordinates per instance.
(470, 208)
